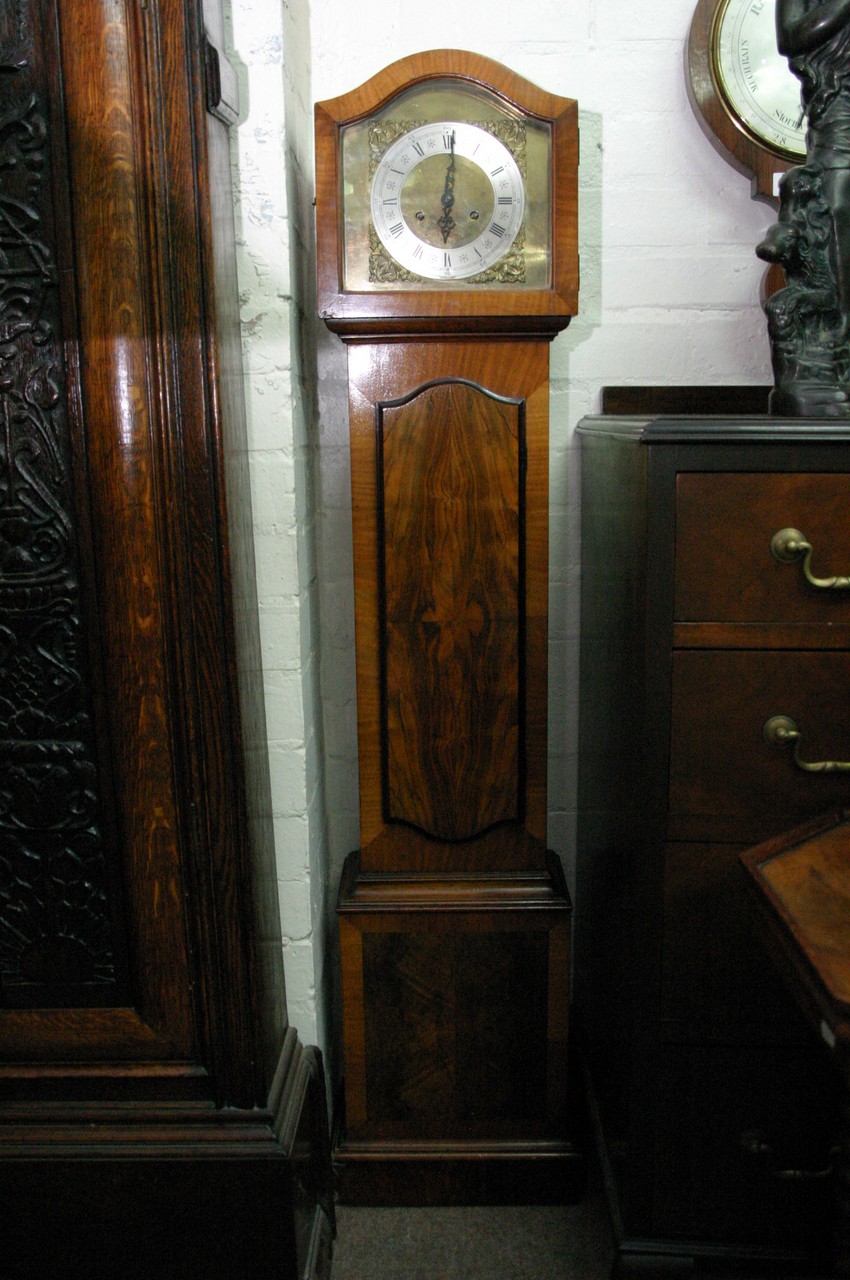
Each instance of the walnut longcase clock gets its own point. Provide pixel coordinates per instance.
(152, 1096)
(447, 252)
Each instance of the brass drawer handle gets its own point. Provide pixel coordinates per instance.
(789, 545)
(755, 1144)
(779, 731)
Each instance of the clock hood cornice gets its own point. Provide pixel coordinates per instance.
(486, 311)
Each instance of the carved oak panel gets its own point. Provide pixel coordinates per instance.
(58, 891)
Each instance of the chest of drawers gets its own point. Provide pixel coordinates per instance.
(715, 671)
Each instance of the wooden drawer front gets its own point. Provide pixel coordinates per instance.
(730, 1120)
(718, 984)
(725, 570)
(725, 781)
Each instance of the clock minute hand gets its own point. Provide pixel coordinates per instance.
(446, 223)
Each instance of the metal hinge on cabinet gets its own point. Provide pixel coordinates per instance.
(222, 84)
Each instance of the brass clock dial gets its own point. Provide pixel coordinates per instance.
(447, 200)
(404, 152)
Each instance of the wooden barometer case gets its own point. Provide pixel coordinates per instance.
(447, 261)
(746, 98)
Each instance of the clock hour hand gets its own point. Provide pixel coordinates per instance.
(446, 223)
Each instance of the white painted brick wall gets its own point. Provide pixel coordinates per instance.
(269, 43)
(669, 294)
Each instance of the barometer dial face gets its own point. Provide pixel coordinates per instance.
(755, 84)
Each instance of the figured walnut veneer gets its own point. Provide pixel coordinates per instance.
(450, 496)
(451, 459)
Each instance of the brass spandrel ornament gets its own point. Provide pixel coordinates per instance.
(383, 134)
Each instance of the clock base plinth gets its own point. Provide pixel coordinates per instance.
(455, 990)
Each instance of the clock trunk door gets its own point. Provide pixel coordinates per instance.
(449, 477)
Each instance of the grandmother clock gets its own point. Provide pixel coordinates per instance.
(447, 258)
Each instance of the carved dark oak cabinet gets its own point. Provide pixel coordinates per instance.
(700, 628)
(157, 1115)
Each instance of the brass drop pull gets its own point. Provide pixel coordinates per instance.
(780, 731)
(755, 1144)
(789, 545)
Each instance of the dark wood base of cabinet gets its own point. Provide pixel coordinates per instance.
(169, 1191)
(668, 1256)
(231, 1219)
(396, 1174)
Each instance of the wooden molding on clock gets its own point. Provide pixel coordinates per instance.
(542, 311)
(761, 165)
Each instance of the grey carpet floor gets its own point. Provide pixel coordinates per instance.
(569, 1242)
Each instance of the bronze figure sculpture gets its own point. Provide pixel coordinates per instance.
(809, 319)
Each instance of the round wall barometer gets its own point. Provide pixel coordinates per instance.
(746, 96)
